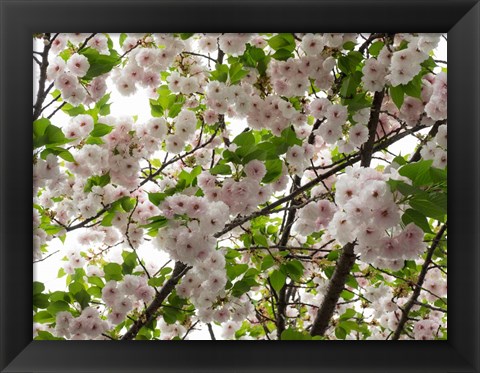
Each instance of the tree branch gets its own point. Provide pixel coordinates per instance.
(210, 331)
(367, 149)
(418, 286)
(42, 94)
(149, 314)
(416, 156)
(335, 287)
(347, 257)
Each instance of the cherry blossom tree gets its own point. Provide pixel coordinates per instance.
(284, 186)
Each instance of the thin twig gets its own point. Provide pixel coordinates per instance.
(210, 331)
(48, 256)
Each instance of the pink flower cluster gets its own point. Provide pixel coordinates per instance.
(89, 325)
(436, 148)
(121, 296)
(405, 63)
(369, 215)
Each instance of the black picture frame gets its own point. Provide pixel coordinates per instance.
(20, 18)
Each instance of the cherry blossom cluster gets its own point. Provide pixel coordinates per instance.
(121, 297)
(144, 64)
(368, 214)
(241, 197)
(436, 108)
(436, 148)
(291, 78)
(89, 325)
(66, 74)
(314, 217)
(405, 63)
(435, 285)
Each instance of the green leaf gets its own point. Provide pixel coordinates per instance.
(221, 169)
(294, 269)
(157, 198)
(157, 222)
(277, 279)
(60, 295)
(96, 281)
(156, 110)
(43, 317)
(348, 64)
(418, 172)
(290, 137)
(349, 325)
(122, 38)
(73, 111)
(39, 126)
(220, 73)
(440, 200)
(51, 229)
(83, 298)
(243, 286)
(75, 287)
(61, 273)
(229, 156)
(347, 295)
(52, 136)
(397, 95)
(282, 41)
(260, 240)
(254, 153)
(282, 54)
(99, 63)
(428, 208)
(350, 85)
(156, 281)
(103, 106)
(94, 140)
(113, 271)
(340, 333)
(274, 170)
(58, 306)
(438, 175)
(348, 314)
(128, 203)
(38, 287)
(429, 63)
(96, 181)
(245, 140)
(107, 219)
(129, 262)
(101, 129)
(358, 102)
(232, 254)
(375, 48)
(233, 271)
(349, 45)
(94, 291)
(399, 160)
(46, 336)
(414, 87)
(40, 300)
(236, 72)
(257, 54)
(267, 262)
(405, 189)
(58, 151)
(294, 335)
(186, 35)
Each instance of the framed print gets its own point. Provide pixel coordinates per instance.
(239, 201)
